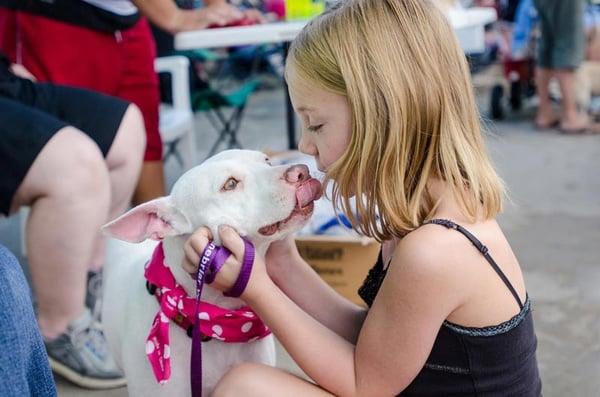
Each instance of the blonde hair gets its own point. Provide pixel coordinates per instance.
(414, 116)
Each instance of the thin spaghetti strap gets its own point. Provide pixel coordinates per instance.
(481, 248)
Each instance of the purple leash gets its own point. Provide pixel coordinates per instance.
(211, 262)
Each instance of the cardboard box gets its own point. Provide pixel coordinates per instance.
(343, 262)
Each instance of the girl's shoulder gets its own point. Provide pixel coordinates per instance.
(435, 240)
(424, 279)
(449, 263)
(436, 252)
(427, 251)
(429, 242)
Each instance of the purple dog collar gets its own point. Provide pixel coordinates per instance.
(211, 262)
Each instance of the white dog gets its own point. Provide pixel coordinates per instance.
(237, 188)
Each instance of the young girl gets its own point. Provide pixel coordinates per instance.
(383, 92)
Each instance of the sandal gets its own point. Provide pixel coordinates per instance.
(575, 131)
(546, 126)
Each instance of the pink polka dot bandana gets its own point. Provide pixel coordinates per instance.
(226, 325)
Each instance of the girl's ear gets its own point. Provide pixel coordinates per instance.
(155, 219)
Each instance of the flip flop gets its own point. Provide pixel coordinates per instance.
(549, 126)
(576, 131)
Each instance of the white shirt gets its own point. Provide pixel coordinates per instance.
(119, 7)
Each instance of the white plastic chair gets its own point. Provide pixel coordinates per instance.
(176, 123)
(177, 120)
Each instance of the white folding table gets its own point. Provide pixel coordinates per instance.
(468, 24)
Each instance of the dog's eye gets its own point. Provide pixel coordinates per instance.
(231, 184)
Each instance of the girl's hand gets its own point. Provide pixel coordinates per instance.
(280, 255)
(227, 276)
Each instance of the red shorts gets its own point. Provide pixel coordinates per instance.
(120, 64)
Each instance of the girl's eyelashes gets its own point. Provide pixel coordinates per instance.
(314, 128)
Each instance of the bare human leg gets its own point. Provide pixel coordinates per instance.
(260, 380)
(151, 184)
(124, 161)
(68, 190)
(545, 118)
(572, 121)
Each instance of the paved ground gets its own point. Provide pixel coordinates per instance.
(553, 223)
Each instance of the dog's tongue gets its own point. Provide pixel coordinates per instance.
(308, 192)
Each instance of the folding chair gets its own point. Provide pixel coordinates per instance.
(213, 104)
(221, 94)
(177, 118)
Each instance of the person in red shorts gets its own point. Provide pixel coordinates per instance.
(106, 46)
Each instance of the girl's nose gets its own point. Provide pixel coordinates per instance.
(306, 146)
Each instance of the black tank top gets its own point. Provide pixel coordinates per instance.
(498, 360)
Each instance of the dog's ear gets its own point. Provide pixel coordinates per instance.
(155, 219)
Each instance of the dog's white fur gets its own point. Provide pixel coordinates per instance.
(587, 83)
(262, 197)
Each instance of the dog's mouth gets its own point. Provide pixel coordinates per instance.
(306, 194)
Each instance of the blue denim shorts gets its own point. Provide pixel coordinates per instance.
(24, 368)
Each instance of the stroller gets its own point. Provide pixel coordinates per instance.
(508, 60)
(519, 27)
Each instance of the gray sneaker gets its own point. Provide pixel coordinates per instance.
(81, 355)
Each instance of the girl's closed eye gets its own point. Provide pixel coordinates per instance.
(315, 128)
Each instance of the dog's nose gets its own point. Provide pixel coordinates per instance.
(297, 173)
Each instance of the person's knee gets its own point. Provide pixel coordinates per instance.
(82, 169)
(69, 168)
(238, 381)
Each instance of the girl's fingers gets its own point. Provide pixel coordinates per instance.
(190, 259)
(232, 240)
(194, 247)
(200, 238)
